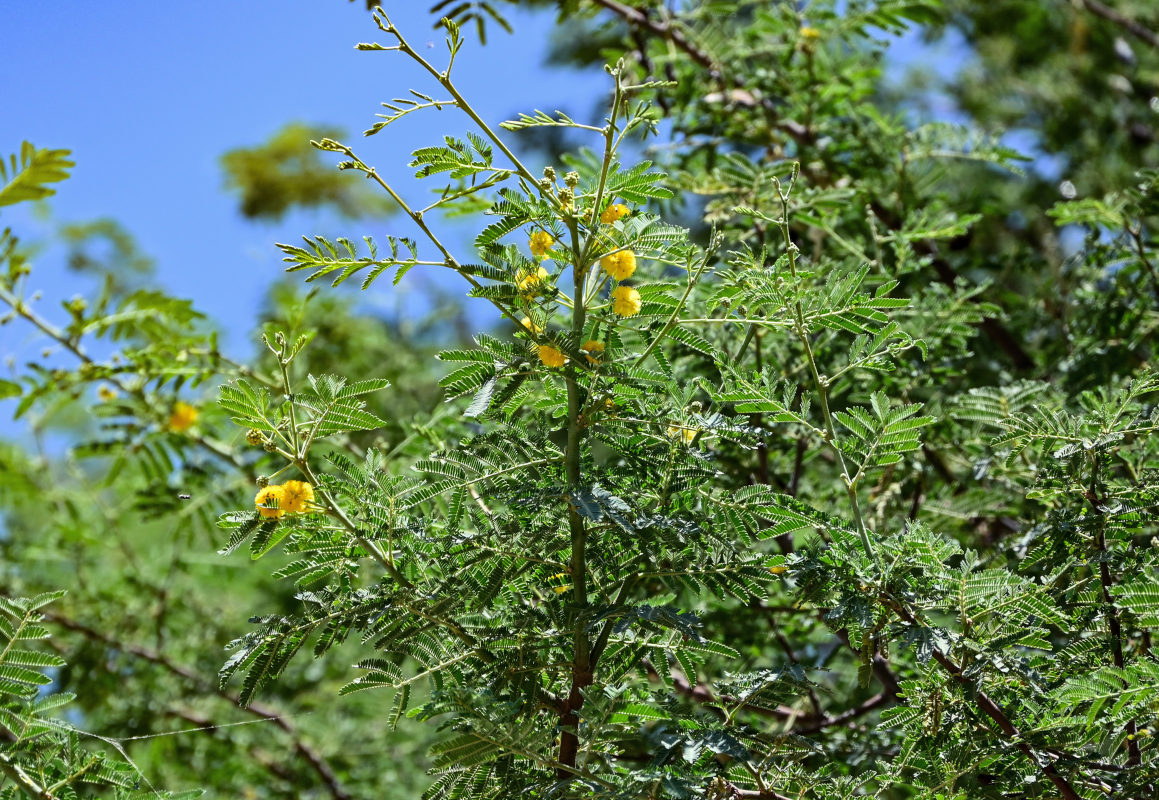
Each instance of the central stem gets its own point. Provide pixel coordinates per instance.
(581, 676)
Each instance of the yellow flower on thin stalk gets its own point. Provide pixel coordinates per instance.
(620, 265)
(614, 212)
(593, 351)
(106, 394)
(530, 326)
(271, 502)
(551, 357)
(299, 497)
(530, 284)
(182, 418)
(540, 242)
(626, 301)
(685, 434)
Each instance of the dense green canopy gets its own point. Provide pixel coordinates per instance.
(809, 452)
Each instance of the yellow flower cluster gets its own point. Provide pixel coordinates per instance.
(684, 434)
(255, 438)
(530, 284)
(551, 357)
(182, 418)
(593, 351)
(529, 325)
(620, 265)
(614, 212)
(540, 242)
(106, 394)
(810, 34)
(626, 301)
(291, 497)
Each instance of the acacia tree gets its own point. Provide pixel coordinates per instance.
(789, 510)
(598, 478)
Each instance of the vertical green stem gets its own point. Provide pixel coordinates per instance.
(822, 385)
(583, 665)
(581, 659)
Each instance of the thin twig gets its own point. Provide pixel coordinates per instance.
(1126, 23)
(316, 761)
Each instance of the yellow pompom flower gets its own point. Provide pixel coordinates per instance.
(530, 283)
(551, 357)
(540, 242)
(528, 325)
(271, 502)
(810, 34)
(593, 351)
(619, 265)
(106, 394)
(684, 434)
(780, 569)
(298, 495)
(626, 301)
(182, 417)
(614, 212)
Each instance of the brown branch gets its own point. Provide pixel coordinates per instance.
(803, 723)
(639, 19)
(317, 763)
(995, 712)
(209, 726)
(993, 328)
(1114, 626)
(878, 700)
(758, 794)
(881, 668)
(1124, 22)
(703, 695)
(17, 775)
(675, 35)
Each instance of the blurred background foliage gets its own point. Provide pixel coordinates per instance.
(150, 603)
(286, 172)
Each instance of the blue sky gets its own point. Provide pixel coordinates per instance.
(148, 96)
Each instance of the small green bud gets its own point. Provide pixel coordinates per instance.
(263, 481)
